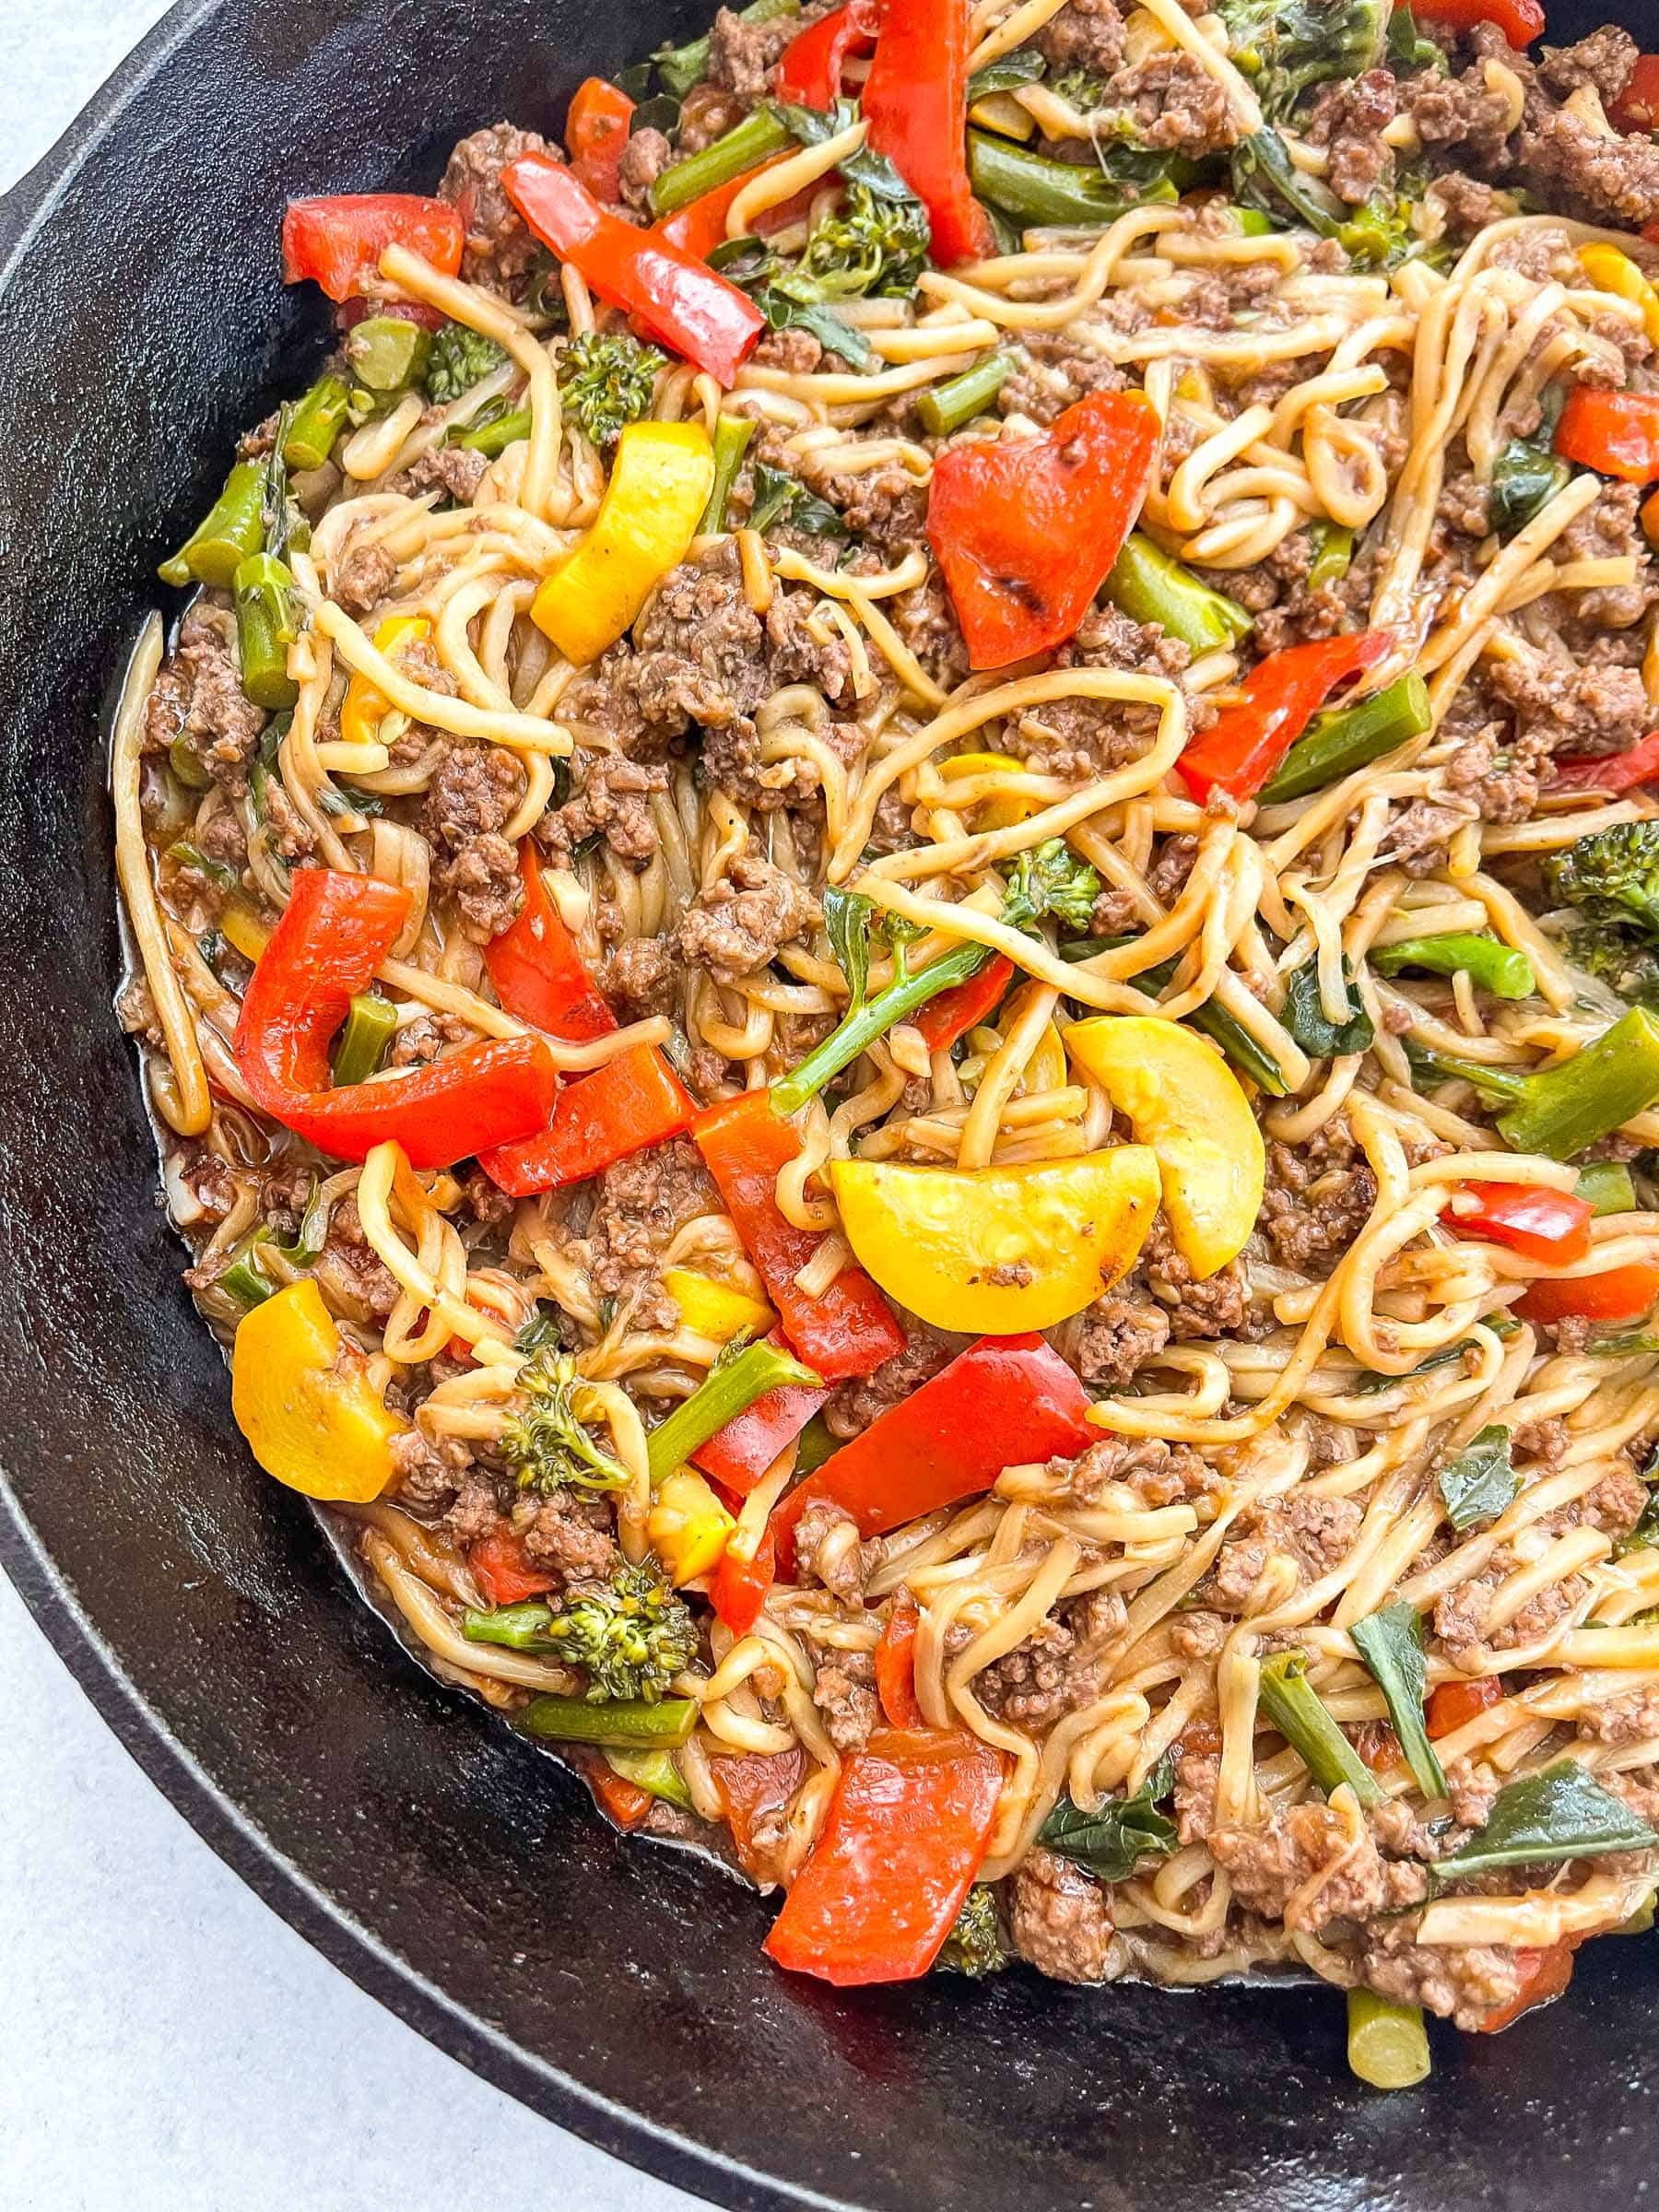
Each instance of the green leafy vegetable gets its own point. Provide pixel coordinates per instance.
(1408, 50)
(779, 497)
(1481, 1482)
(1563, 1813)
(543, 1332)
(1265, 176)
(1526, 475)
(1390, 1643)
(847, 916)
(459, 360)
(1121, 1832)
(1305, 1017)
(607, 380)
(1025, 65)
(1285, 47)
(1293, 1706)
(550, 1446)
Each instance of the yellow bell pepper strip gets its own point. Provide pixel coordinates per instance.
(715, 1309)
(1183, 1100)
(303, 1398)
(997, 1252)
(1611, 271)
(659, 487)
(363, 708)
(242, 930)
(688, 1526)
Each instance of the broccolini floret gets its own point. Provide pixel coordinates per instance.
(1285, 47)
(629, 1636)
(1614, 958)
(873, 245)
(1611, 877)
(975, 1946)
(550, 1446)
(1050, 879)
(606, 379)
(460, 359)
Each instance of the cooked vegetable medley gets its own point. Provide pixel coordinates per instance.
(896, 885)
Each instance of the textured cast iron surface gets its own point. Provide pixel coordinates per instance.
(617, 1988)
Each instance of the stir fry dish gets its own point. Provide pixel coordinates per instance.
(894, 885)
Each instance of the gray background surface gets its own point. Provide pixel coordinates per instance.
(167, 2044)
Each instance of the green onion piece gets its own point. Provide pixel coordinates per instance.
(1490, 966)
(1148, 586)
(1333, 550)
(627, 1722)
(316, 422)
(1291, 1705)
(1060, 195)
(1333, 745)
(192, 856)
(945, 408)
(386, 354)
(1252, 222)
(1387, 2044)
(234, 528)
(680, 67)
(815, 1443)
(187, 766)
(242, 1281)
(858, 1031)
(522, 1627)
(369, 1028)
(266, 627)
(493, 437)
(1606, 1185)
(1565, 1109)
(758, 135)
(732, 434)
(654, 1771)
(732, 1385)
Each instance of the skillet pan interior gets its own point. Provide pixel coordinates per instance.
(462, 1878)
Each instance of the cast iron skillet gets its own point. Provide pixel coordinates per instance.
(617, 1988)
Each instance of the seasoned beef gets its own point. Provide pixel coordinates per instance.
(843, 1691)
(1218, 1305)
(572, 1535)
(1060, 1668)
(741, 55)
(1305, 1869)
(197, 697)
(1171, 100)
(647, 154)
(1605, 60)
(1464, 1983)
(454, 470)
(362, 577)
(1314, 1533)
(611, 800)
(1348, 120)
(1578, 171)
(642, 976)
(852, 1405)
(1158, 1473)
(1116, 1336)
(1059, 1921)
(499, 251)
(828, 1550)
(1318, 1198)
(644, 1203)
(1054, 369)
(1459, 116)
(737, 924)
(473, 794)
(1630, 1719)
(1086, 34)
(1419, 833)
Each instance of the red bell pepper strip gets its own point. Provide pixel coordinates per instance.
(1026, 529)
(1617, 433)
(850, 1330)
(1614, 773)
(338, 242)
(1246, 744)
(753, 1790)
(1521, 21)
(337, 930)
(1003, 1401)
(896, 1666)
(620, 1800)
(632, 1102)
(740, 1454)
(1617, 1294)
(1455, 1702)
(964, 1005)
(1551, 1227)
(907, 1830)
(809, 71)
(1544, 1976)
(1637, 107)
(504, 1572)
(915, 102)
(674, 298)
(737, 1587)
(537, 973)
(596, 133)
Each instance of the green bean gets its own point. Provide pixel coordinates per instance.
(1332, 551)
(232, 530)
(945, 408)
(494, 437)
(626, 1722)
(386, 354)
(732, 434)
(1387, 2044)
(1148, 586)
(654, 1771)
(1333, 745)
(732, 1386)
(1293, 1705)
(316, 423)
(264, 630)
(1606, 1187)
(1567, 1109)
(1055, 195)
(1489, 964)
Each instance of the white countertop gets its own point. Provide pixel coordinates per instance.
(167, 2044)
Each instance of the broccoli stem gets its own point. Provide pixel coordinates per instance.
(1387, 2044)
(1292, 1704)
(232, 530)
(945, 408)
(386, 354)
(1053, 194)
(1605, 1187)
(654, 1771)
(731, 1389)
(264, 630)
(315, 423)
(1448, 1067)
(1333, 550)
(1335, 744)
(680, 67)
(1490, 966)
(903, 996)
(750, 142)
(493, 437)
(1563, 1109)
(369, 1028)
(187, 765)
(1220, 1027)
(627, 1722)
(732, 434)
(243, 1281)
(520, 1628)
(1148, 586)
